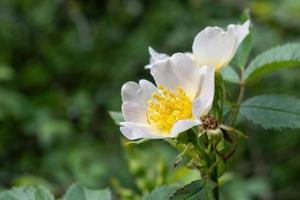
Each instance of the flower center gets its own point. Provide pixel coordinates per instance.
(166, 108)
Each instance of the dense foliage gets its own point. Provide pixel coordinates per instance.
(62, 64)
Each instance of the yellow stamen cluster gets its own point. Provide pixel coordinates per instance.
(166, 108)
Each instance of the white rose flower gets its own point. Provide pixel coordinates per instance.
(212, 46)
(183, 94)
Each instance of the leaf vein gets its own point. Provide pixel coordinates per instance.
(273, 109)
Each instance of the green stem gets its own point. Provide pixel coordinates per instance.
(219, 97)
(214, 177)
(239, 100)
(207, 153)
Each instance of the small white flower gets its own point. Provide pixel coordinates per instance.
(184, 93)
(212, 46)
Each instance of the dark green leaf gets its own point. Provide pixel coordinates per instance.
(197, 190)
(244, 52)
(116, 116)
(230, 75)
(276, 58)
(79, 192)
(26, 193)
(272, 111)
(161, 193)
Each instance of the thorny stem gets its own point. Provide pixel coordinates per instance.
(212, 171)
(240, 98)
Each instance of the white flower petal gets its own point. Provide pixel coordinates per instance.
(214, 46)
(190, 55)
(134, 112)
(242, 31)
(129, 91)
(138, 93)
(155, 56)
(135, 100)
(183, 125)
(127, 132)
(134, 131)
(198, 107)
(203, 103)
(178, 71)
(147, 90)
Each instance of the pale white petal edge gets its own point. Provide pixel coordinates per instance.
(129, 91)
(134, 131)
(155, 56)
(183, 125)
(203, 103)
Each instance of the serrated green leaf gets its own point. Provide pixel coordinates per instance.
(272, 111)
(230, 75)
(79, 192)
(196, 190)
(116, 116)
(161, 193)
(244, 51)
(26, 193)
(276, 58)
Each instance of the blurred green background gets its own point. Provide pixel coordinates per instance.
(63, 62)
